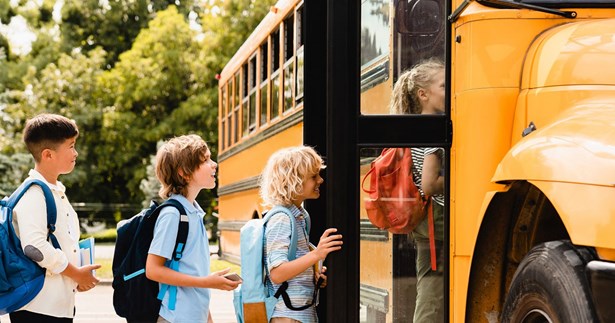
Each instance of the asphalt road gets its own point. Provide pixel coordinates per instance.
(96, 306)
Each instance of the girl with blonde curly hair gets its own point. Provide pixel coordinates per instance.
(291, 176)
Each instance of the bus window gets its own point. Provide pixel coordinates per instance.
(244, 101)
(223, 112)
(252, 82)
(300, 61)
(229, 114)
(289, 54)
(397, 280)
(417, 35)
(236, 109)
(275, 75)
(264, 91)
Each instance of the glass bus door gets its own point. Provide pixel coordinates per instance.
(375, 278)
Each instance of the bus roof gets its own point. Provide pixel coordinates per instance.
(276, 14)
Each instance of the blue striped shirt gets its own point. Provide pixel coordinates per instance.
(300, 288)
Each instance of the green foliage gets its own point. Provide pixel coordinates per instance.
(218, 265)
(132, 73)
(13, 170)
(112, 25)
(6, 12)
(108, 235)
(152, 83)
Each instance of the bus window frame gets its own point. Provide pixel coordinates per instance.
(264, 83)
(299, 53)
(288, 63)
(253, 87)
(275, 75)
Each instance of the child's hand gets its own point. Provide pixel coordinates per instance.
(218, 281)
(320, 276)
(328, 243)
(85, 278)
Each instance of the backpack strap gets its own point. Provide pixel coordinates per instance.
(292, 255)
(180, 244)
(49, 202)
(292, 248)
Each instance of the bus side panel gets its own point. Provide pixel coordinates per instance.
(486, 74)
(239, 200)
(571, 160)
(589, 215)
(380, 93)
(251, 161)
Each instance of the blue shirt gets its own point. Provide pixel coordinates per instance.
(192, 303)
(301, 287)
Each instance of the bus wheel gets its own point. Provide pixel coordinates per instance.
(550, 286)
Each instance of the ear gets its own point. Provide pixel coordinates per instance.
(422, 94)
(46, 153)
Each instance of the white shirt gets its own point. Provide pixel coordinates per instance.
(57, 298)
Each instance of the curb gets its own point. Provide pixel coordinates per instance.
(105, 281)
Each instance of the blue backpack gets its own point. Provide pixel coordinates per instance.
(135, 297)
(21, 279)
(252, 300)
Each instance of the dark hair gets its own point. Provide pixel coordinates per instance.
(47, 131)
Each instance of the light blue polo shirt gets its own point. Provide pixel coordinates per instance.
(192, 303)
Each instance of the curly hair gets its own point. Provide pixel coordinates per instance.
(404, 98)
(282, 179)
(176, 161)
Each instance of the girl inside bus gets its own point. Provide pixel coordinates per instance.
(421, 90)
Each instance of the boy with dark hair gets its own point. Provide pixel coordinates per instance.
(51, 139)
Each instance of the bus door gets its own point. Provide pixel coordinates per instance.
(375, 278)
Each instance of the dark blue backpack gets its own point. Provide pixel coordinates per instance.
(21, 279)
(135, 297)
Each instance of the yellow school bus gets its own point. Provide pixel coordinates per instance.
(529, 143)
(260, 111)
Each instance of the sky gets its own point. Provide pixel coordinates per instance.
(19, 35)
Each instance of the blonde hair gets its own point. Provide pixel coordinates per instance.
(404, 98)
(282, 179)
(176, 161)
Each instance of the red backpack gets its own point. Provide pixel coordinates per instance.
(394, 203)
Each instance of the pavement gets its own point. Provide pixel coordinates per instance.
(96, 305)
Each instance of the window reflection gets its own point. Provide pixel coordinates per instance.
(374, 30)
(399, 282)
(402, 72)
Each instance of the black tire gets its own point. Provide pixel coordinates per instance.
(550, 286)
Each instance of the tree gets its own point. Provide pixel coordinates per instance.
(13, 169)
(154, 85)
(112, 25)
(68, 88)
(127, 89)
